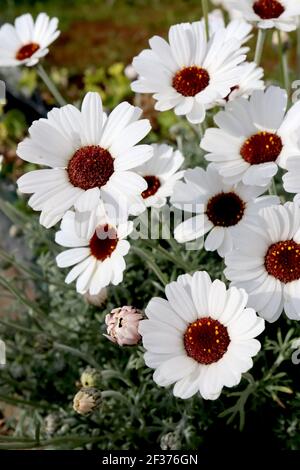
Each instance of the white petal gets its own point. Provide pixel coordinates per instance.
(92, 117)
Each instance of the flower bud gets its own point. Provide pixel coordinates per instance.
(87, 400)
(122, 325)
(90, 377)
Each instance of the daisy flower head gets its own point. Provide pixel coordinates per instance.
(254, 137)
(280, 14)
(222, 211)
(91, 158)
(27, 41)
(267, 263)
(161, 174)
(189, 73)
(201, 338)
(98, 258)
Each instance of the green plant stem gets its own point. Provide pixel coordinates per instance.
(75, 352)
(273, 189)
(152, 265)
(50, 85)
(21, 402)
(70, 441)
(34, 275)
(205, 14)
(178, 262)
(19, 297)
(283, 63)
(261, 36)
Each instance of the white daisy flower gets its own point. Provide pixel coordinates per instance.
(222, 210)
(201, 338)
(27, 41)
(280, 14)
(267, 263)
(98, 259)
(91, 158)
(253, 138)
(189, 74)
(161, 174)
(250, 79)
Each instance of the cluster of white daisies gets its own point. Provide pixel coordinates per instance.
(99, 174)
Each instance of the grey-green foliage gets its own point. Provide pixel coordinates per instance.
(53, 334)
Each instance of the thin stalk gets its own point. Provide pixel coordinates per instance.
(70, 441)
(205, 14)
(75, 352)
(181, 264)
(19, 297)
(283, 63)
(21, 402)
(33, 306)
(298, 48)
(34, 275)
(50, 85)
(261, 36)
(152, 265)
(272, 188)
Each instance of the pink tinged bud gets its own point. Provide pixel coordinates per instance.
(122, 325)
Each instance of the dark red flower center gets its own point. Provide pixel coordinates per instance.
(103, 242)
(90, 167)
(190, 80)
(206, 340)
(225, 209)
(153, 186)
(268, 9)
(262, 147)
(283, 261)
(27, 51)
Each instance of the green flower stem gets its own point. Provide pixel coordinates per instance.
(32, 274)
(61, 347)
(205, 14)
(19, 297)
(298, 48)
(75, 352)
(50, 85)
(261, 36)
(70, 441)
(16, 327)
(151, 264)
(273, 189)
(283, 63)
(20, 402)
(175, 260)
